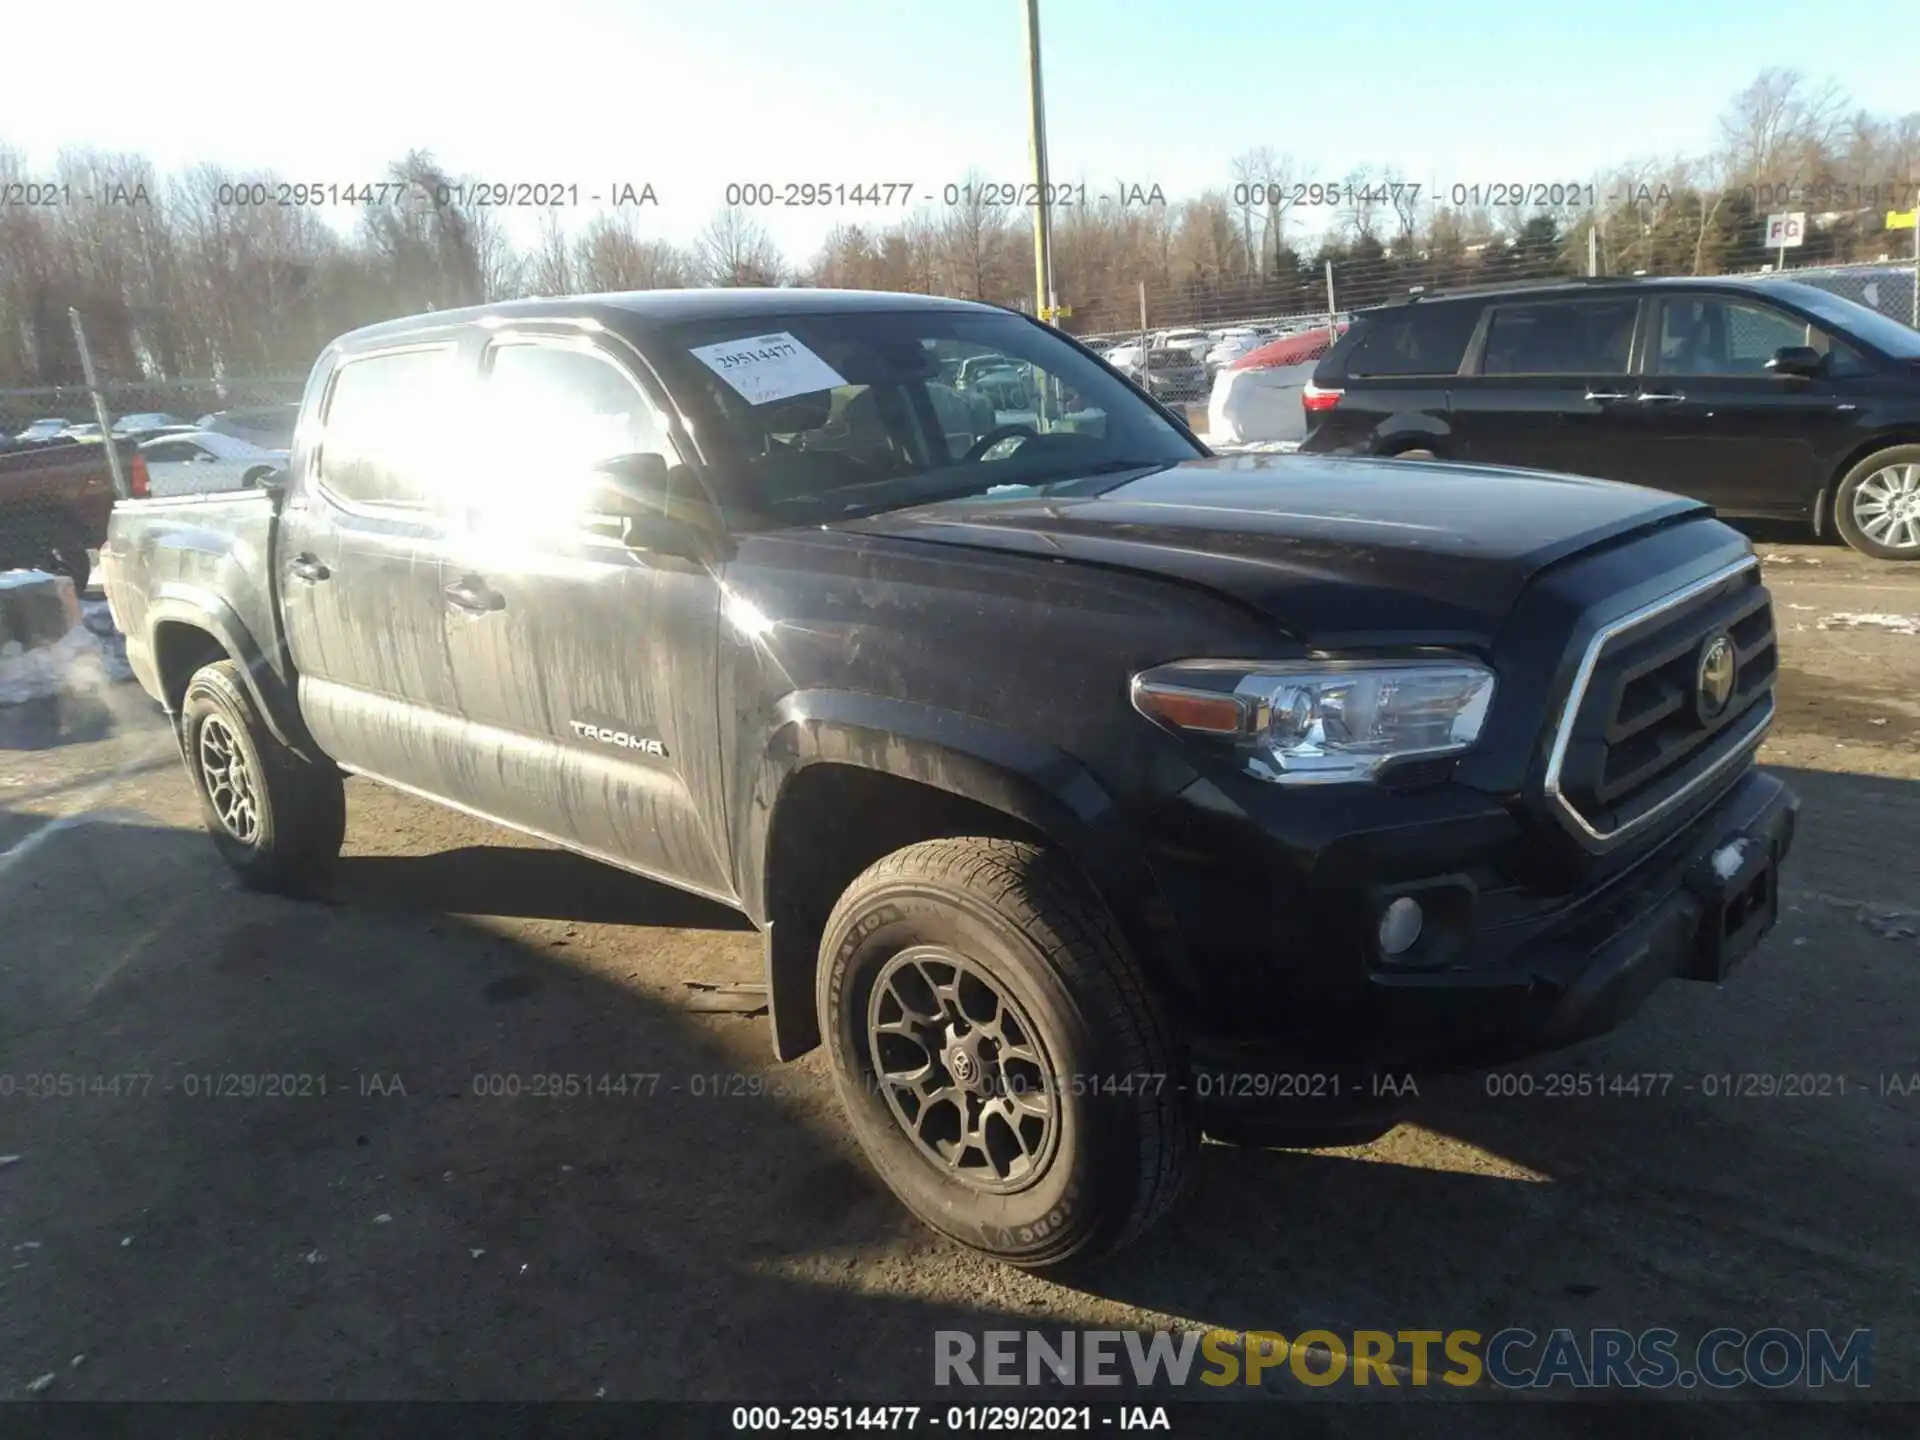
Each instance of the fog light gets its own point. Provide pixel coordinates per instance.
(1400, 925)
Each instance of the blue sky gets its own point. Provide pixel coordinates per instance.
(691, 97)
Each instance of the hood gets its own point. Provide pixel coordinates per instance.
(1334, 550)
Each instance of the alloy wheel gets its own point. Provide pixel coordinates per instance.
(963, 1069)
(1886, 507)
(229, 780)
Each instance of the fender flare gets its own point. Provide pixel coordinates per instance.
(1035, 783)
(177, 604)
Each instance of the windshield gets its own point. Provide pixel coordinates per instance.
(850, 413)
(1886, 335)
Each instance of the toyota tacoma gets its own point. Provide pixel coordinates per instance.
(1090, 791)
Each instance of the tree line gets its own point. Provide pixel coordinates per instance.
(175, 281)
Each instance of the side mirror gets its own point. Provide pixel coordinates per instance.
(1799, 362)
(631, 486)
(274, 482)
(636, 491)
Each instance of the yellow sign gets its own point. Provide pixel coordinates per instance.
(1056, 312)
(1903, 219)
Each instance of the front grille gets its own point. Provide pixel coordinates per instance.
(1638, 739)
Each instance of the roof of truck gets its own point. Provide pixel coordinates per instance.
(664, 307)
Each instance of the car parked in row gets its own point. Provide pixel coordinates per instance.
(1256, 398)
(145, 424)
(268, 426)
(42, 431)
(1767, 398)
(1231, 345)
(200, 461)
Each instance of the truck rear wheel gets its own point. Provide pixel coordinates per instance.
(1004, 1063)
(277, 818)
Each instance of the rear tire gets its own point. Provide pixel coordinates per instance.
(1876, 507)
(277, 818)
(1047, 1120)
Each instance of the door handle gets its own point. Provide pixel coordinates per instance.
(1660, 397)
(1603, 397)
(308, 567)
(471, 593)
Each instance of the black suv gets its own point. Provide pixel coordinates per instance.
(1766, 398)
(1089, 789)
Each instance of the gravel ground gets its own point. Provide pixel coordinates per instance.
(391, 1231)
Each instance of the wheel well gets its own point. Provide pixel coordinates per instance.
(833, 821)
(1823, 501)
(179, 650)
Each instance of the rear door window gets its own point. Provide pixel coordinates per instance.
(554, 410)
(386, 429)
(1561, 337)
(1416, 340)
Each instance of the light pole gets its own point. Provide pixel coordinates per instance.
(1043, 298)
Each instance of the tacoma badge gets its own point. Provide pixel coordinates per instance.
(589, 731)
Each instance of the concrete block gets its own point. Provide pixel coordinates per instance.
(36, 608)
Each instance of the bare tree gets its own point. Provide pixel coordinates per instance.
(549, 268)
(735, 249)
(613, 255)
(1779, 122)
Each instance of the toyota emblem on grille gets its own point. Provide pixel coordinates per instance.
(1713, 682)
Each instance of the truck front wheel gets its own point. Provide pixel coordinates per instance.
(277, 818)
(1001, 1057)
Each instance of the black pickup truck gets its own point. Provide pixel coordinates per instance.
(1090, 790)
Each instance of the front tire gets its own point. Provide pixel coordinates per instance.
(1003, 1062)
(277, 818)
(1876, 507)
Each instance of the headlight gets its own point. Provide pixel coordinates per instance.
(1322, 721)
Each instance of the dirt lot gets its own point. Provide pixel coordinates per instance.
(403, 1235)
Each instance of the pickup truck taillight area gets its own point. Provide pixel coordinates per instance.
(1314, 400)
(137, 476)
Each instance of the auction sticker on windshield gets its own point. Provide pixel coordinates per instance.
(766, 368)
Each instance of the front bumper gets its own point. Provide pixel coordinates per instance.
(1692, 908)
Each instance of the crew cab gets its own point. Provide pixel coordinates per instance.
(1072, 774)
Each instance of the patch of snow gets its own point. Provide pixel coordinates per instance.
(6, 1160)
(82, 660)
(36, 1386)
(1728, 859)
(1872, 620)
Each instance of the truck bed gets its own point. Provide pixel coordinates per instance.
(194, 551)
